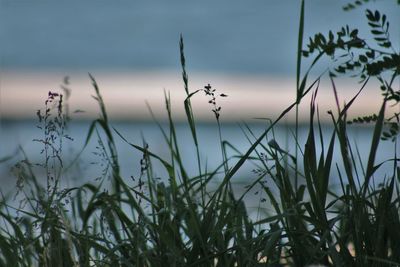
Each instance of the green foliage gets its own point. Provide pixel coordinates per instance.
(184, 220)
(358, 3)
(354, 55)
(354, 4)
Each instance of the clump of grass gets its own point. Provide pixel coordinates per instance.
(184, 220)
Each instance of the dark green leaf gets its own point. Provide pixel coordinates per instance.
(363, 58)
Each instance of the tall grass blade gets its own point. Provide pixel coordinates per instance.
(299, 50)
(374, 146)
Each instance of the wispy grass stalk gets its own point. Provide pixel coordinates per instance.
(184, 220)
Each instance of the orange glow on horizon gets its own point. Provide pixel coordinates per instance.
(126, 94)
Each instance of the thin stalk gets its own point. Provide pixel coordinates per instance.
(189, 113)
(298, 89)
(224, 158)
(296, 155)
(245, 156)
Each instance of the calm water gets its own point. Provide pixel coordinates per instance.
(23, 132)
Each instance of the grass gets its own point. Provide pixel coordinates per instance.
(184, 220)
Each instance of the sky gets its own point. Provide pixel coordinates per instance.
(244, 49)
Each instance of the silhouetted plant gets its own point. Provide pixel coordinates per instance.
(185, 220)
(356, 56)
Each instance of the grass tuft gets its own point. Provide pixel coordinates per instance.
(185, 220)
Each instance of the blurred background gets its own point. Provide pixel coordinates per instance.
(244, 49)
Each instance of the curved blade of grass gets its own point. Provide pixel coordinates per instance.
(242, 160)
(167, 166)
(374, 146)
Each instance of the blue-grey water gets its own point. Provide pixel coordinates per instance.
(22, 133)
